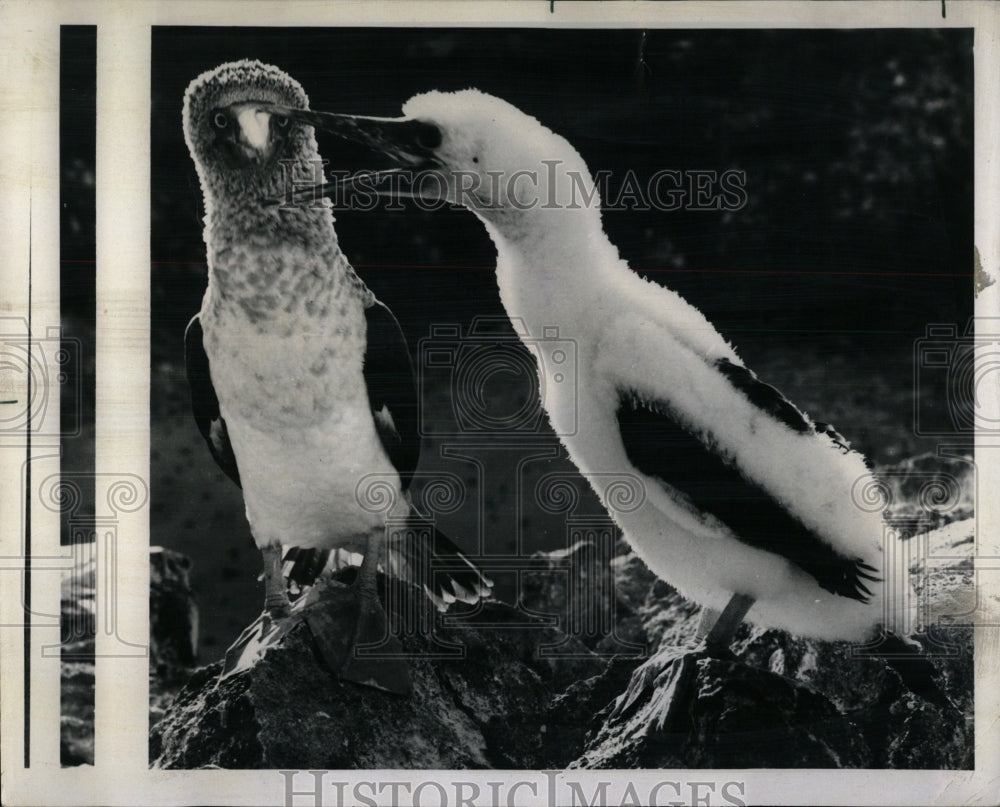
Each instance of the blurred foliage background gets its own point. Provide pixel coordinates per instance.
(856, 234)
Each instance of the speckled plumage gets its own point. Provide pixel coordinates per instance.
(301, 380)
(284, 329)
(262, 257)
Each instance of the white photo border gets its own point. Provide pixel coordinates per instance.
(29, 212)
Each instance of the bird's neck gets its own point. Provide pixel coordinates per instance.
(269, 263)
(556, 268)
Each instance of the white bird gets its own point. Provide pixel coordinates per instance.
(301, 379)
(748, 506)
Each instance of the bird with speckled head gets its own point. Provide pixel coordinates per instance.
(301, 382)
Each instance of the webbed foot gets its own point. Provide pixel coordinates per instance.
(263, 633)
(366, 652)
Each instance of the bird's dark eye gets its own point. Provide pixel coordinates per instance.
(221, 120)
(281, 121)
(428, 136)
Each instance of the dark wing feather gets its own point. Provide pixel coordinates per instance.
(770, 399)
(205, 403)
(392, 390)
(764, 396)
(659, 445)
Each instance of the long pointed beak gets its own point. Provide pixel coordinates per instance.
(409, 142)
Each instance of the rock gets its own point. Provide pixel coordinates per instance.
(485, 708)
(593, 595)
(577, 712)
(76, 718)
(784, 701)
(737, 717)
(173, 645)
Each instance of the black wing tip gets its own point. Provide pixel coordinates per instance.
(468, 589)
(765, 397)
(432, 561)
(468, 584)
(847, 579)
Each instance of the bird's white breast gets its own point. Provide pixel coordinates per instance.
(691, 550)
(292, 392)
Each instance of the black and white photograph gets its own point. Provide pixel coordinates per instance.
(558, 404)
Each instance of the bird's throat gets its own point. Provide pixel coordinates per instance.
(275, 282)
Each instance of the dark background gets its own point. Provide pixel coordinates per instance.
(857, 233)
(78, 247)
(77, 253)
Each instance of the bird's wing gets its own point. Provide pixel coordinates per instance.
(392, 390)
(770, 400)
(425, 557)
(765, 397)
(204, 401)
(659, 445)
(736, 448)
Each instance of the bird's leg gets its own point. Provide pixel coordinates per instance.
(372, 621)
(275, 597)
(720, 636)
(709, 616)
(387, 669)
(270, 627)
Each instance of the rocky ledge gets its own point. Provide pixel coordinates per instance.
(495, 692)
